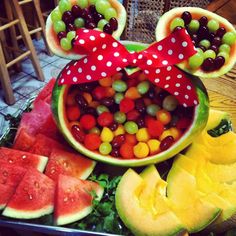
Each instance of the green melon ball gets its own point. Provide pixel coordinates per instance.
(109, 13)
(79, 22)
(71, 35)
(229, 38)
(101, 6)
(176, 22)
(59, 26)
(224, 48)
(213, 25)
(65, 44)
(102, 23)
(83, 3)
(64, 5)
(209, 53)
(194, 26)
(225, 55)
(56, 15)
(196, 60)
(206, 43)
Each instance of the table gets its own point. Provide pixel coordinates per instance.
(222, 93)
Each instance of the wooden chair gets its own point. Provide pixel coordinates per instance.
(15, 17)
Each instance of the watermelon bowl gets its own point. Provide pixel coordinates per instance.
(198, 120)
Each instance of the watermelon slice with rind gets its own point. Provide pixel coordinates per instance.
(68, 163)
(10, 177)
(33, 198)
(22, 158)
(73, 199)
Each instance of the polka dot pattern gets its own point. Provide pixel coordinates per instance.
(106, 56)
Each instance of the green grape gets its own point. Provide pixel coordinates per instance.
(143, 87)
(109, 13)
(213, 25)
(101, 108)
(209, 53)
(120, 117)
(224, 48)
(196, 60)
(206, 43)
(59, 26)
(200, 51)
(118, 97)
(64, 5)
(170, 103)
(79, 22)
(105, 148)
(95, 130)
(55, 15)
(225, 55)
(92, 2)
(229, 38)
(102, 6)
(194, 26)
(131, 127)
(71, 35)
(119, 85)
(83, 3)
(65, 44)
(152, 109)
(101, 23)
(176, 22)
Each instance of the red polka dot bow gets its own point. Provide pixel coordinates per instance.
(106, 56)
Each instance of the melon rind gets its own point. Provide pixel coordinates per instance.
(18, 214)
(199, 122)
(162, 32)
(42, 163)
(55, 46)
(69, 218)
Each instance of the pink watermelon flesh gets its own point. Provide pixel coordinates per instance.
(10, 177)
(68, 163)
(39, 120)
(21, 158)
(23, 141)
(33, 198)
(44, 145)
(73, 199)
(46, 92)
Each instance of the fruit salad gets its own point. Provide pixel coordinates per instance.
(125, 117)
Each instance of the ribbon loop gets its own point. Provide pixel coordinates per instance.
(106, 56)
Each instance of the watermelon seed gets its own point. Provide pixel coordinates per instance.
(30, 196)
(65, 199)
(65, 164)
(25, 189)
(52, 170)
(5, 173)
(36, 184)
(24, 156)
(10, 160)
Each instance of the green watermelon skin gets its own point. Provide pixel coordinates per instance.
(22, 158)
(10, 177)
(68, 163)
(74, 192)
(33, 198)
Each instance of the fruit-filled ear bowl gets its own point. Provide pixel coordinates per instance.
(127, 120)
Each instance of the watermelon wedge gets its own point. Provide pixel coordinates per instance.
(39, 120)
(45, 93)
(73, 199)
(44, 145)
(10, 177)
(34, 197)
(23, 141)
(22, 158)
(68, 163)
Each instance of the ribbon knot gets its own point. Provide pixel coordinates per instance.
(106, 56)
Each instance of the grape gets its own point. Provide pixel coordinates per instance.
(108, 28)
(59, 26)
(220, 32)
(214, 48)
(83, 3)
(61, 35)
(208, 64)
(229, 38)
(209, 54)
(71, 35)
(170, 103)
(199, 50)
(79, 22)
(109, 13)
(95, 130)
(102, 23)
(176, 22)
(105, 148)
(55, 15)
(205, 43)
(216, 41)
(213, 25)
(65, 44)
(131, 127)
(113, 22)
(101, 108)
(219, 62)
(224, 48)
(203, 21)
(143, 87)
(194, 26)
(119, 85)
(102, 6)
(118, 97)
(187, 17)
(223, 54)
(152, 109)
(196, 60)
(120, 117)
(92, 2)
(64, 5)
